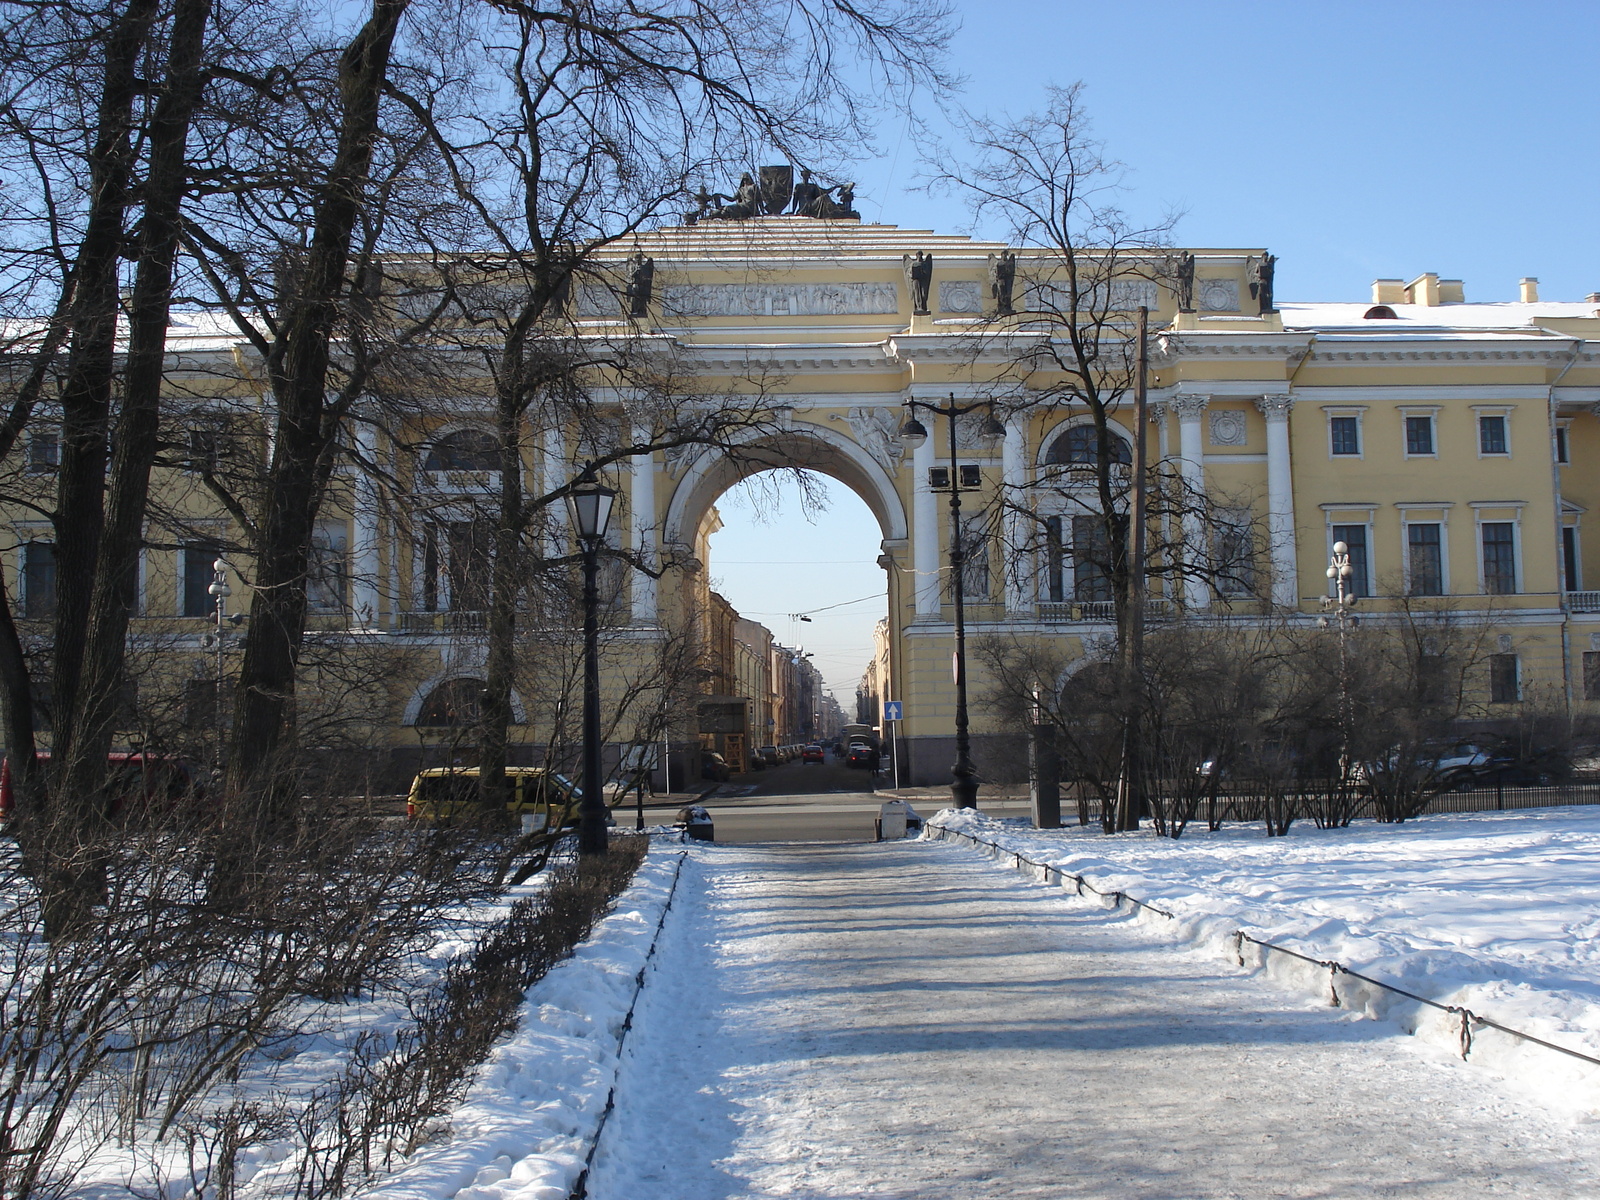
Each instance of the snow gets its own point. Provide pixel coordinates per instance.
(1411, 318)
(1495, 912)
(912, 1020)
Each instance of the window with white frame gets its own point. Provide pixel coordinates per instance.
(1356, 539)
(975, 566)
(1505, 679)
(1425, 574)
(1421, 434)
(1344, 435)
(1233, 551)
(196, 564)
(1494, 432)
(38, 580)
(44, 451)
(1571, 560)
(1563, 450)
(1498, 541)
(327, 567)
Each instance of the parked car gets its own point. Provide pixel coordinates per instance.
(538, 796)
(769, 755)
(136, 782)
(713, 766)
(813, 754)
(862, 756)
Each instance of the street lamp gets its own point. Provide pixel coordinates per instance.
(963, 777)
(1341, 572)
(590, 506)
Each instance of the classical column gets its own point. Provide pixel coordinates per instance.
(553, 474)
(642, 502)
(1191, 466)
(364, 533)
(1280, 500)
(1019, 555)
(924, 531)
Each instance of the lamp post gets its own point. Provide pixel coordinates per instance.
(590, 507)
(963, 777)
(1341, 572)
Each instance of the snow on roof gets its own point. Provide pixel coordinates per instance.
(1418, 317)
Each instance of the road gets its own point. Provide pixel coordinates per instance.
(800, 802)
(909, 1021)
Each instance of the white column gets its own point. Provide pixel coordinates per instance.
(1020, 555)
(554, 474)
(1191, 465)
(364, 533)
(924, 531)
(1280, 501)
(642, 500)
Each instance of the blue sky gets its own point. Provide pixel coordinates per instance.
(1354, 140)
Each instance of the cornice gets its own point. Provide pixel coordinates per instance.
(1546, 351)
(840, 357)
(1172, 348)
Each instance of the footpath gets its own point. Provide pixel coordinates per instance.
(909, 1020)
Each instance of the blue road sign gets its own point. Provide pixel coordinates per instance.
(892, 710)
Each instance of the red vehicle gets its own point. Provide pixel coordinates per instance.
(812, 753)
(136, 782)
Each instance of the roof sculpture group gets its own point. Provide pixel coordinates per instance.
(776, 195)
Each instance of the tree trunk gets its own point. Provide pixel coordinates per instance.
(507, 579)
(264, 717)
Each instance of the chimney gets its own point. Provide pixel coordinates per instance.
(1388, 291)
(1451, 291)
(1530, 290)
(1424, 290)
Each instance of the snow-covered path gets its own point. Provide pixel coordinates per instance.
(911, 1021)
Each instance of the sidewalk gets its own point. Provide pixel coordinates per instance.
(910, 1021)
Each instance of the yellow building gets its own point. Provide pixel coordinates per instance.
(1452, 445)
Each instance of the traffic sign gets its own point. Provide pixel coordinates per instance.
(892, 710)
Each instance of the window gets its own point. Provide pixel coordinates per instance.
(455, 702)
(1504, 684)
(326, 568)
(44, 452)
(1355, 537)
(1091, 560)
(1079, 446)
(1424, 559)
(1499, 557)
(1591, 674)
(39, 580)
(1563, 455)
(1492, 435)
(205, 450)
(1571, 570)
(1055, 557)
(197, 576)
(464, 450)
(458, 554)
(1344, 435)
(1419, 436)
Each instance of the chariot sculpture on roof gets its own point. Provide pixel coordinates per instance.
(776, 194)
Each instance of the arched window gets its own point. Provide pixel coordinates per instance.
(1078, 447)
(464, 450)
(455, 702)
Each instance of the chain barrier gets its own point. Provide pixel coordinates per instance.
(1469, 1020)
(580, 1189)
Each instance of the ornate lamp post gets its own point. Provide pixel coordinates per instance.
(963, 777)
(590, 506)
(1341, 572)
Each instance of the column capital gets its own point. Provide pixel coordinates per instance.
(1275, 407)
(1188, 406)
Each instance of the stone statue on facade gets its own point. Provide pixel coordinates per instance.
(1259, 272)
(641, 280)
(1002, 281)
(1183, 280)
(919, 278)
(805, 195)
(742, 205)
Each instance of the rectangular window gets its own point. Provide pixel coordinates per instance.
(38, 580)
(1419, 435)
(326, 570)
(1571, 571)
(205, 450)
(1499, 558)
(1091, 560)
(469, 564)
(1504, 685)
(1492, 435)
(197, 576)
(1055, 557)
(975, 566)
(1355, 537)
(1591, 674)
(1345, 435)
(1424, 559)
(44, 452)
(1562, 454)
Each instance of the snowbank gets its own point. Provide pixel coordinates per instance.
(1497, 913)
(525, 1127)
